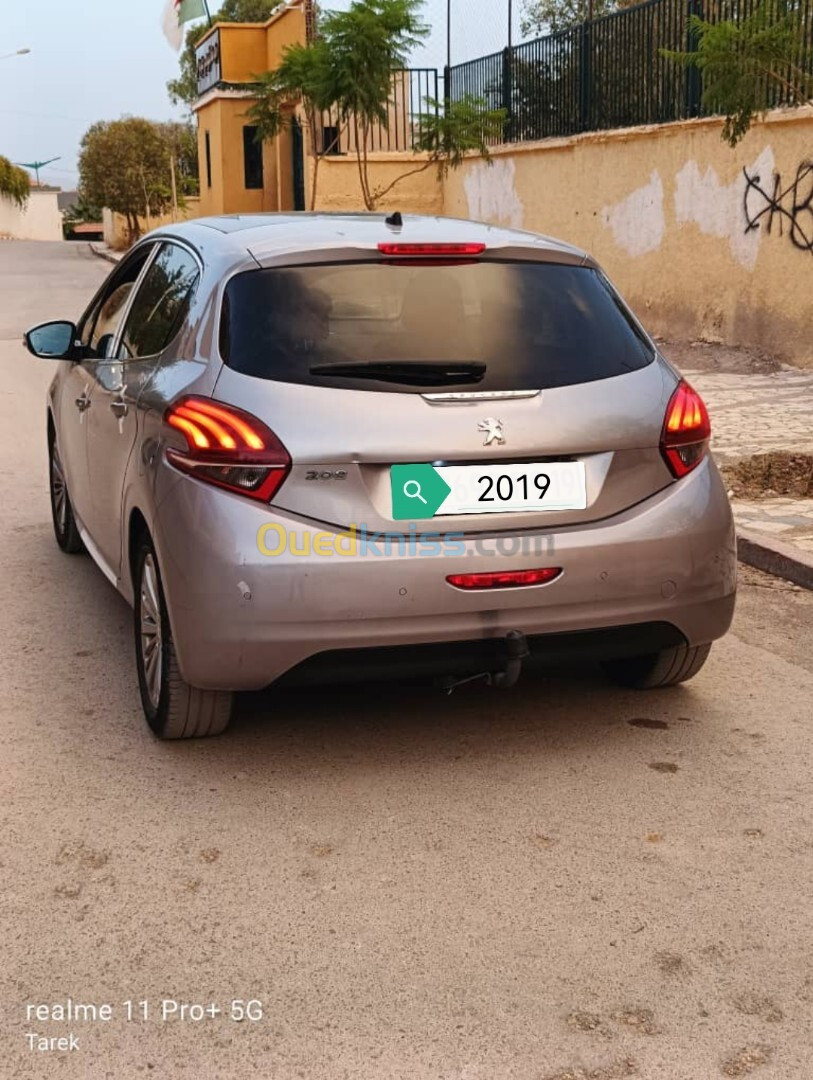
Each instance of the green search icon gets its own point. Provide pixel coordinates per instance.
(417, 491)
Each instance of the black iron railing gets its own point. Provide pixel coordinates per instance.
(411, 91)
(609, 72)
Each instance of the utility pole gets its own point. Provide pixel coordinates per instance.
(448, 33)
(174, 188)
(511, 24)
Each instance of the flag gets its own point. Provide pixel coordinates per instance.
(178, 12)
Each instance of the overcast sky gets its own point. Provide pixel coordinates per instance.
(102, 59)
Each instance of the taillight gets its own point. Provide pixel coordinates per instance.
(227, 447)
(504, 579)
(431, 251)
(686, 430)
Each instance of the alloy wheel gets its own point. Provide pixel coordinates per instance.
(59, 491)
(151, 637)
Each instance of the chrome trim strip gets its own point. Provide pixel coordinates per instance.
(475, 396)
(97, 557)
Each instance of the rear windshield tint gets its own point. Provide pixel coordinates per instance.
(519, 326)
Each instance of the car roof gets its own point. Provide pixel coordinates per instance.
(267, 237)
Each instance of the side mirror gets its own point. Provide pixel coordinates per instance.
(51, 340)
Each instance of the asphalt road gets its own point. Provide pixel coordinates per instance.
(566, 881)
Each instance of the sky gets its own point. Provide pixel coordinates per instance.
(102, 59)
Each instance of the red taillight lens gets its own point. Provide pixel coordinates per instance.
(686, 430)
(504, 579)
(430, 251)
(227, 447)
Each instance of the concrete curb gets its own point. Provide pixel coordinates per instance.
(775, 557)
(105, 253)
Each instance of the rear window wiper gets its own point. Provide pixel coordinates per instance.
(407, 372)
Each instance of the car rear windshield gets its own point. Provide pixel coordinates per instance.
(407, 328)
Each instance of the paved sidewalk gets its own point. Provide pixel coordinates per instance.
(754, 414)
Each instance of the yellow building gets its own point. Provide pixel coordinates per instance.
(237, 174)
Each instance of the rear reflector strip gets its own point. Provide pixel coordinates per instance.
(424, 251)
(504, 579)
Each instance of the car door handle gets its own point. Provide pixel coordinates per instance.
(82, 402)
(119, 408)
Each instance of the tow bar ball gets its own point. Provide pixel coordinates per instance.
(515, 651)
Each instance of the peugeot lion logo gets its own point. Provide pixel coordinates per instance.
(492, 429)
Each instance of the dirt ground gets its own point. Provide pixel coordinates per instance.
(776, 473)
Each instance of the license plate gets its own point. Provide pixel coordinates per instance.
(444, 490)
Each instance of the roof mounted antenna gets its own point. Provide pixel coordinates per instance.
(394, 219)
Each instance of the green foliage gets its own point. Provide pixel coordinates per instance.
(746, 63)
(246, 10)
(184, 89)
(446, 133)
(125, 166)
(181, 139)
(550, 16)
(450, 130)
(348, 70)
(367, 44)
(14, 183)
(304, 77)
(81, 211)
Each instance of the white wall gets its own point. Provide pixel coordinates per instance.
(40, 220)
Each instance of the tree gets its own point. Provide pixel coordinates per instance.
(348, 72)
(367, 44)
(447, 133)
(15, 183)
(125, 166)
(541, 17)
(181, 139)
(184, 89)
(749, 64)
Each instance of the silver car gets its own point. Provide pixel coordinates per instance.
(320, 447)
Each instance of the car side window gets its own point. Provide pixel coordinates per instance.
(161, 303)
(99, 326)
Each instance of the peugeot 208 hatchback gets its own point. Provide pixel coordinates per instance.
(318, 447)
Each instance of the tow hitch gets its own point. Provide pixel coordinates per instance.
(516, 650)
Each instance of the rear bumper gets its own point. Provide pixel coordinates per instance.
(462, 658)
(241, 618)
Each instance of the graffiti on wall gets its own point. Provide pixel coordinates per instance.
(783, 209)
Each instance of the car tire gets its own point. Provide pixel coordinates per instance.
(172, 708)
(652, 671)
(66, 530)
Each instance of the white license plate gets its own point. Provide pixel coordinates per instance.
(500, 489)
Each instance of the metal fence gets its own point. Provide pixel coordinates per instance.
(609, 72)
(412, 90)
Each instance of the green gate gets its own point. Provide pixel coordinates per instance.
(298, 156)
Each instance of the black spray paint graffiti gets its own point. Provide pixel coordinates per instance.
(793, 204)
